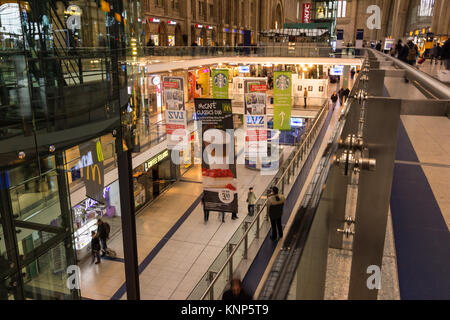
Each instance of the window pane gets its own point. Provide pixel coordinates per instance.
(344, 9)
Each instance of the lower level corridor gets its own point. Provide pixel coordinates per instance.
(175, 245)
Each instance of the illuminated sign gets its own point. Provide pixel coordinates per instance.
(258, 88)
(171, 22)
(306, 13)
(154, 20)
(244, 69)
(297, 122)
(155, 160)
(337, 71)
(227, 30)
(156, 80)
(199, 26)
(209, 27)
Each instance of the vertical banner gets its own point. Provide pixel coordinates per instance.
(220, 83)
(359, 38)
(91, 156)
(306, 13)
(255, 118)
(176, 119)
(339, 38)
(218, 158)
(282, 100)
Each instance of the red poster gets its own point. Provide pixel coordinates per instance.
(306, 13)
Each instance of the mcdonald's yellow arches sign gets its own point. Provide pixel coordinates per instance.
(93, 173)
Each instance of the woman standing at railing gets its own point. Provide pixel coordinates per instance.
(275, 205)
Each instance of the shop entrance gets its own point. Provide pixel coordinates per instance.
(162, 31)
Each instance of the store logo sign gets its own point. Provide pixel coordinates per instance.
(155, 160)
(374, 281)
(74, 21)
(374, 21)
(176, 115)
(73, 280)
(94, 169)
(306, 13)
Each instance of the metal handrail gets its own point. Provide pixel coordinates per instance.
(430, 83)
(305, 142)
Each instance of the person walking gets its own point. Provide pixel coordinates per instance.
(352, 73)
(103, 234)
(439, 53)
(95, 247)
(413, 52)
(378, 46)
(445, 56)
(346, 94)
(236, 292)
(275, 205)
(305, 96)
(341, 95)
(334, 99)
(434, 54)
(251, 200)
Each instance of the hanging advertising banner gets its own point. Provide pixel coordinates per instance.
(306, 13)
(192, 86)
(173, 90)
(218, 160)
(255, 118)
(220, 79)
(282, 100)
(359, 38)
(176, 117)
(339, 38)
(91, 162)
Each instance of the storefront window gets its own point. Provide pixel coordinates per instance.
(152, 178)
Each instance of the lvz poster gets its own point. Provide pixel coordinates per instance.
(176, 118)
(218, 159)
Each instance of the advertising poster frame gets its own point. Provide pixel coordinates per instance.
(219, 177)
(282, 100)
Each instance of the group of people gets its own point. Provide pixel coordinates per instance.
(99, 246)
(409, 52)
(342, 95)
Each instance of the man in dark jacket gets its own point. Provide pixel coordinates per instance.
(445, 56)
(275, 205)
(103, 234)
(95, 247)
(334, 99)
(378, 46)
(236, 292)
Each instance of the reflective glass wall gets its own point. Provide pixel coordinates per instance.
(36, 246)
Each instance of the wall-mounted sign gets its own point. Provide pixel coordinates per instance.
(154, 20)
(244, 69)
(306, 13)
(337, 71)
(155, 160)
(171, 22)
(209, 27)
(227, 30)
(199, 26)
(156, 80)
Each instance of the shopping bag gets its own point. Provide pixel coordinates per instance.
(421, 60)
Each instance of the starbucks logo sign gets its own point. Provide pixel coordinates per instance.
(220, 80)
(283, 82)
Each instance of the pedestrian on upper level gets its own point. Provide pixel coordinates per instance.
(103, 234)
(446, 54)
(305, 96)
(378, 46)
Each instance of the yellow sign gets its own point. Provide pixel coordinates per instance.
(94, 169)
(105, 6)
(99, 152)
(118, 17)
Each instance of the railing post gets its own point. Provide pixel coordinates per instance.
(211, 276)
(230, 263)
(257, 227)
(246, 223)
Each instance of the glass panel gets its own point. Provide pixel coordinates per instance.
(45, 278)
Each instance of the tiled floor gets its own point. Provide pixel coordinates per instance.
(430, 137)
(432, 69)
